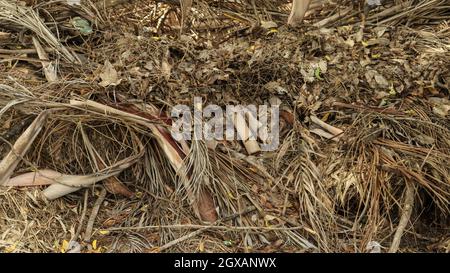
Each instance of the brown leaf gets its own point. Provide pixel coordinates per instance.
(206, 208)
(109, 75)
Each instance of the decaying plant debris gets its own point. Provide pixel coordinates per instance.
(86, 91)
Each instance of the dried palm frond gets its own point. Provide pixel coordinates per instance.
(384, 152)
(302, 179)
(24, 17)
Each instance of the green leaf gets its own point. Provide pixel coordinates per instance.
(317, 73)
(82, 25)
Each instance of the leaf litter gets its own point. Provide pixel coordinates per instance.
(363, 163)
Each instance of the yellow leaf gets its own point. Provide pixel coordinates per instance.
(104, 232)
(64, 246)
(201, 247)
(11, 248)
(376, 56)
(325, 117)
(231, 196)
(94, 244)
(392, 91)
(139, 194)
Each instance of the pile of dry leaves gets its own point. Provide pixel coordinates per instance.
(89, 164)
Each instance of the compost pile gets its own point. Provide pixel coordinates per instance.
(89, 165)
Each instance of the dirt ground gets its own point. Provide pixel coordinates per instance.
(89, 164)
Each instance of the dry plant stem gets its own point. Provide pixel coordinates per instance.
(185, 8)
(23, 51)
(107, 110)
(65, 184)
(36, 178)
(95, 209)
(181, 239)
(226, 228)
(333, 18)
(247, 136)
(335, 131)
(324, 134)
(83, 216)
(200, 231)
(20, 147)
(48, 66)
(407, 8)
(392, 10)
(4, 59)
(406, 215)
(368, 109)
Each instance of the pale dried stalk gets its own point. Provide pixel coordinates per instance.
(48, 66)
(247, 135)
(299, 8)
(20, 147)
(335, 17)
(185, 8)
(324, 134)
(37, 178)
(406, 215)
(333, 130)
(95, 209)
(65, 184)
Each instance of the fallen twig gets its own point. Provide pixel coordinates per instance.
(95, 209)
(83, 216)
(333, 130)
(406, 215)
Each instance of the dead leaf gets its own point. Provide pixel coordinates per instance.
(109, 75)
(441, 106)
(206, 208)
